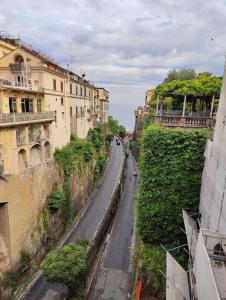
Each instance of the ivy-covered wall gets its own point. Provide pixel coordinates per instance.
(171, 164)
(171, 167)
(83, 162)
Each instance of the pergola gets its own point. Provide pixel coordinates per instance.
(185, 97)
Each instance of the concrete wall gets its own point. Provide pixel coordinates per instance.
(26, 195)
(213, 197)
(30, 225)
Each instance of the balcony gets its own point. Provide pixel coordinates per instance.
(7, 84)
(7, 120)
(186, 120)
(16, 67)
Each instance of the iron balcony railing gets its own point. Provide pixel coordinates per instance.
(25, 118)
(18, 67)
(20, 85)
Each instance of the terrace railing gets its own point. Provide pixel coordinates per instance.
(189, 120)
(25, 118)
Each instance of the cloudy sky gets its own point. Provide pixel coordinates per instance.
(126, 46)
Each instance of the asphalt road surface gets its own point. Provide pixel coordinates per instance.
(111, 280)
(88, 224)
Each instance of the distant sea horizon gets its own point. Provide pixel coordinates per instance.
(124, 113)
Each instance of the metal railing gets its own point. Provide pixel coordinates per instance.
(20, 85)
(16, 118)
(17, 67)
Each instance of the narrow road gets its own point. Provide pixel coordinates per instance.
(112, 278)
(88, 224)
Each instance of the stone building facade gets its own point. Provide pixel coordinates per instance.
(41, 106)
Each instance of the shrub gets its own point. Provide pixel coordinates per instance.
(25, 260)
(77, 151)
(7, 280)
(67, 264)
(171, 168)
(75, 156)
(148, 119)
(109, 137)
(153, 259)
(96, 137)
(56, 200)
(99, 168)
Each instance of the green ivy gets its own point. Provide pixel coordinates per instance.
(75, 153)
(7, 280)
(76, 156)
(153, 259)
(116, 127)
(99, 167)
(148, 119)
(96, 136)
(56, 200)
(109, 137)
(68, 204)
(171, 167)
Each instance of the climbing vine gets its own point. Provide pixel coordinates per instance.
(171, 168)
(56, 200)
(171, 165)
(76, 156)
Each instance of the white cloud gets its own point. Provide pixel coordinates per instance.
(130, 43)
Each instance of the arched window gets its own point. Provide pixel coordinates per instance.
(36, 154)
(22, 159)
(18, 59)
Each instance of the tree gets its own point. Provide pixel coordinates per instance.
(121, 131)
(183, 74)
(113, 124)
(202, 88)
(204, 74)
(116, 127)
(66, 265)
